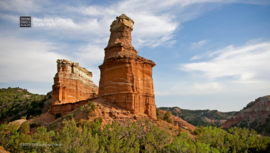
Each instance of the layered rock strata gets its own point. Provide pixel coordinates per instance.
(126, 78)
(72, 83)
(67, 107)
(258, 110)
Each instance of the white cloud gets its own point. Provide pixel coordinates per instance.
(90, 54)
(196, 57)
(21, 6)
(227, 76)
(150, 29)
(11, 18)
(198, 45)
(156, 21)
(246, 63)
(35, 61)
(26, 60)
(152, 26)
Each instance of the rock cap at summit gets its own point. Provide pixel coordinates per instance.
(121, 22)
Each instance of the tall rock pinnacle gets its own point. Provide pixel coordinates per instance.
(121, 32)
(126, 78)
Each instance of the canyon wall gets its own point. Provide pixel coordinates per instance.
(258, 111)
(125, 77)
(72, 83)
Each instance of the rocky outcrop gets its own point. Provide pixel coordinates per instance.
(126, 78)
(255, 115)
(72, 83)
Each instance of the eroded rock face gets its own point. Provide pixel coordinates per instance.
(72, 83)
(126, 78)
(253, 116)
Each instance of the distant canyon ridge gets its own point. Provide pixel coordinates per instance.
(200, 117)
(255, 115)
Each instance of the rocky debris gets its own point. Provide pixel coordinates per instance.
(126, 78)
(109, 113)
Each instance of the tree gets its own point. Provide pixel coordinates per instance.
(167, 115)
(157, 112)
(73, 139)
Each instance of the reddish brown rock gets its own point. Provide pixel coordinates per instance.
(255, 113)
(126, 78)
(72, 84)
(2, 150)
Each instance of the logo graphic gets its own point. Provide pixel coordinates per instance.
(25, 21)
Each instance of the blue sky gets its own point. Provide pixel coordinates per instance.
(210, 54)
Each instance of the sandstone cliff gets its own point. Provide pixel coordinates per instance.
(126, 78)
(256, 115)
(72, 83)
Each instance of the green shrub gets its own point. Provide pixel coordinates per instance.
(101, 120)
(16, 117)
(140, 136)
(42, 135)
(82, 108)
(34, 124)
(167, 115)
(91, 109)
(53, 126)
(92, 105)
(197, 132)
(41, 103)
(200, 130)
(69, 116)
(169, 120)
(76, 139)
(157, 112)
(179, 130)
(24, 128)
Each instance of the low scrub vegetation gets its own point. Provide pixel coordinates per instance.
(142, 136)
(17, 103)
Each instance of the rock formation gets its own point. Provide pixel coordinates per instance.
(126, 78)
(72, 83)
(256, 115)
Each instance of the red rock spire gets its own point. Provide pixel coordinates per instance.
(126, 78)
